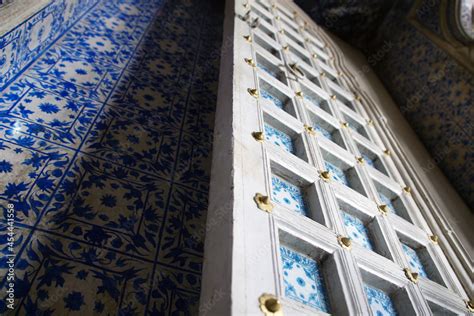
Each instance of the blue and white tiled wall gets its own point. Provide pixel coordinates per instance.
(105, 148)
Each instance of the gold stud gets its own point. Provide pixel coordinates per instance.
(246, 5)
(263, 202)
(323, 74)
(282, 32)
(309, 129)
(325, 175)
(370, 122)
(333, 97)
(360, 160)
(387, 152)
(339, 73)
(253, 92)
(412, 276)
(286, 47)
(248, 38)
(270, 305)
(299, 94)
(357, 97)
(345, 242)
(259, 136)
(306, 40)
(470, 306)
(383, 209)
(250, 62)
(434, 239)
(315, 56)
(407, 190)
(345, 124)
(277, 17)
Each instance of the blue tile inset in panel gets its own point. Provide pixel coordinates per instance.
(379, 301)
(279, 138)
(266, 95)
(387, 201)
(288, 195)
(337, 173)
(414, 261)
(323, 131)
(303, 280)
(312, 101)
(357, 230)
(368, 160)
(268, 71)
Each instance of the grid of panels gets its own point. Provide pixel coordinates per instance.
(330, 177)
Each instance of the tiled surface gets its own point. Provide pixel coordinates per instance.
(356, 230)
(279, 138)
(387, 201)
(323, 131)
(288, 195)
(267, 95)
(368, 160)
(379, 301)
(303, 280)
(311, 100)
(414, 261)
(105, 148)
(336, 173)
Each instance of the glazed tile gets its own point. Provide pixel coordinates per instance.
(278, 138)
(387, 201)
(414, 260)
(336, 173)
(288, 195)
(379, 302)
(356, 230)
(323, 131)
(303, 280)
(276, 101)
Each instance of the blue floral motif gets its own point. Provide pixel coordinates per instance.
(323, 131)
(288, 195)
(356, 230)
(279, 138)
(387, 201)
(337, 173)
(303, 280)
(106, 161)
(276, 101)
(379, 302)
(414, 260)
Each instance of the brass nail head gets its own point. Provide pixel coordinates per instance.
(315, 56)
(270, 305)
(309, 129)
(299, 94)
(286, 47)
(248, 38)
(253, 92)
(281, 31)
(370, 122)
(259, 136)
(345, 242)
(407, 190)
(360, 160)
(412, 276)
(325, 175)
(250, 62)
(345, 124)
(357, 97)
(383, 209)
(387, 152)
(263, 202)
(470, 306)
(434, 239)
(333, 97)
(246, 5)
(323, 74)
(277, 17)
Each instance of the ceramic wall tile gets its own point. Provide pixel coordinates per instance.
(379, 301)
(387, 201)
(105, 149)
(414, 260)
(267, 95)
(323, 131)
(288, 195)
(356, 230)
(336, 173)
(278, 138)
(303, 281)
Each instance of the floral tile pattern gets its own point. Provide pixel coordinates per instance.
(266, 95)
(105, 151)
(279, 138)
(288, 195)
(414, 260)
(303, 280)
(356, 230)
(379, 302)
(323, 131)
(336, 173)
(387, 201)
